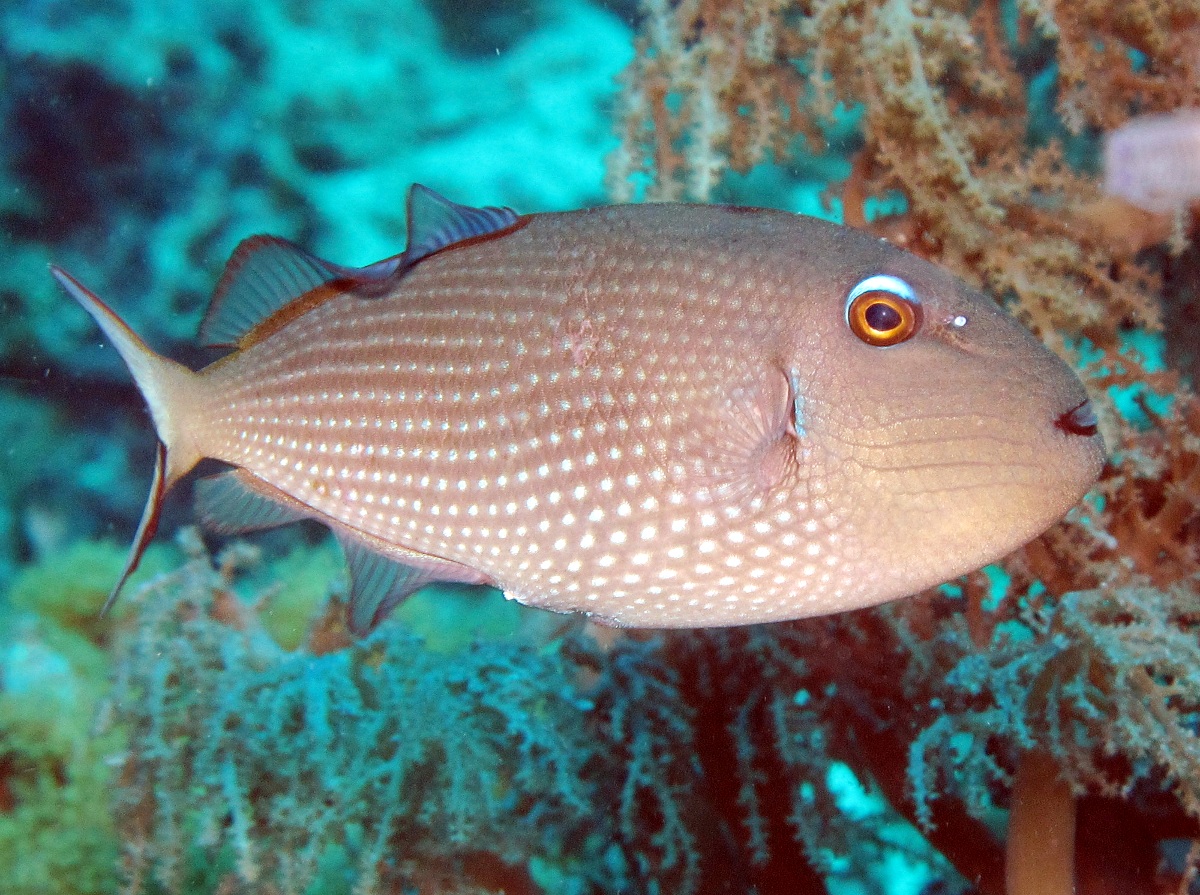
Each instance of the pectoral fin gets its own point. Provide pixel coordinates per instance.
(747, 448)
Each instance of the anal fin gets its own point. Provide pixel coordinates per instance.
(381, 578)
(238, 501)
(378, 584)
(382, 575)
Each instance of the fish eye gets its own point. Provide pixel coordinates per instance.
(883, 310)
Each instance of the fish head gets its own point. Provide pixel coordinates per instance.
(937, 433)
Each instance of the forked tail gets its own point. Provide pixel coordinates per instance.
(165, 385)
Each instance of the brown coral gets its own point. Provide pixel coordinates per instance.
(948, 120)
(986, 116)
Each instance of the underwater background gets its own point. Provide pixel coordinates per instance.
(220, 732)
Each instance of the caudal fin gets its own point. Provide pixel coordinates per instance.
(165, 385)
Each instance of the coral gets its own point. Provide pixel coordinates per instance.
(1066, 674)
(290, 589)
(57, 833)
(502, 766)
(947, 119)
(69, 587)
(645, 731)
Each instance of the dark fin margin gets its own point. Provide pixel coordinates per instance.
(146, 528)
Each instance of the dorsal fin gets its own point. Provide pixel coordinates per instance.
(434, 223)
(264, 275)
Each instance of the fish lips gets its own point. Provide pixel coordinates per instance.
(1079, 427)
(1080, 420)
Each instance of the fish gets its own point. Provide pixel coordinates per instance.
(659, 415)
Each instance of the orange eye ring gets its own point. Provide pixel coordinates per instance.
(883, 310)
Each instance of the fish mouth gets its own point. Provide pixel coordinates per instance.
(1079, 420)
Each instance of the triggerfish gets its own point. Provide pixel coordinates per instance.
(659, 415)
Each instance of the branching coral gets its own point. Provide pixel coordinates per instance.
(273, 769)
(1074, 671)
(951, 119)
(504, 766)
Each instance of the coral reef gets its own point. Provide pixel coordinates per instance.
(1034, 723)
(1070, 674)
(512, 764)
(57, 831)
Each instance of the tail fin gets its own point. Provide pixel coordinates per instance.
(165, 386)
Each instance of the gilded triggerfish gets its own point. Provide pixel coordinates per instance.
(660, 415)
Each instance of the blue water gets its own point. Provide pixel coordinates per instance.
(142, 143)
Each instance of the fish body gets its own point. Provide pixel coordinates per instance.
(662, 415)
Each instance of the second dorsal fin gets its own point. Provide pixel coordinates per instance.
(264, 274)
